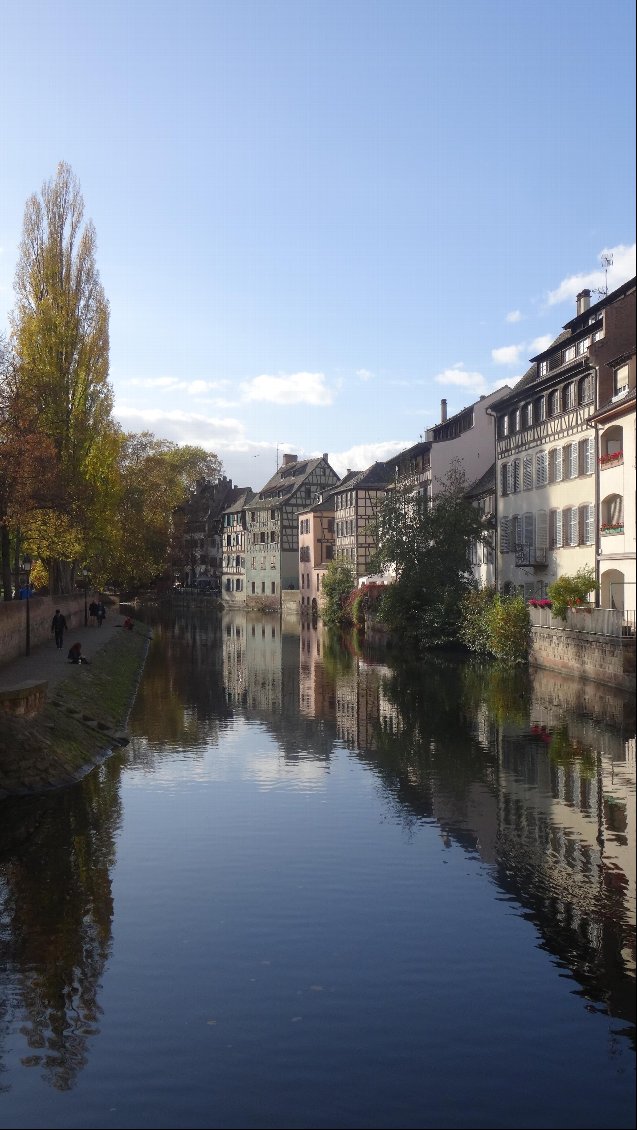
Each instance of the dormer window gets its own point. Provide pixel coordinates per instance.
(544, 368)
(568, 354)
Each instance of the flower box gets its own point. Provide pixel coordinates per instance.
(611, 459)
(608, 529)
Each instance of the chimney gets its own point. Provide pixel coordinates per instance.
(583, 301)
(443, 411)
(287, 459)
(326, 457)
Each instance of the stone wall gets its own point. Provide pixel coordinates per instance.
(607, 659)
(13, 618)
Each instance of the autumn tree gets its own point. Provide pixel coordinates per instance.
(28, 478)
(60, 328)
(156, 476)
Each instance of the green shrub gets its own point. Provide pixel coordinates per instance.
(473, 629)
(338, 584)
(495, 625)
(509, 629)
(572, 591)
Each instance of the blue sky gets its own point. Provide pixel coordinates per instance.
(315, 219)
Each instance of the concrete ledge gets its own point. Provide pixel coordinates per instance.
(24, 699)
(605, 659)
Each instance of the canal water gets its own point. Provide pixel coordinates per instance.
(323, 887)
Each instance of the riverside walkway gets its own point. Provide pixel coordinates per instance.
(47, 664)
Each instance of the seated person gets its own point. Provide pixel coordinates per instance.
(128, 623)
(75, 654)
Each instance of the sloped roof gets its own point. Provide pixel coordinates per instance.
(484, 485)
(286, 481)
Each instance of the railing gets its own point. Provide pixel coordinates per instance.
(597, 621)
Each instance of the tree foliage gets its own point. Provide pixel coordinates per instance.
(338, 583)
(60, 335)
(429, 547)
(155, 476)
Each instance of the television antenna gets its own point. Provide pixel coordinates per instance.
(606, 261)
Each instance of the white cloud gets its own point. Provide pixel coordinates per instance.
(458, 375)
(507, 354)
(295, 388)
(364, 374)
(211, 432)
(622, 269)
(174, 384)
(362, 455)
(539, 344)
(514, 316)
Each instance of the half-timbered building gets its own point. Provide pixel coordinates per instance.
(272, 549)
(357, 504)
(317, 541)
(547, 505)
(233, 580)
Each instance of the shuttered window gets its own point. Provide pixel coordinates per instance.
(528, 529)
(541, 529)
(504, 478)
(505, 542)
(541, 468)
(528, 472)
(587, 524)
(556, 529)
(587, 456)
(572, 452)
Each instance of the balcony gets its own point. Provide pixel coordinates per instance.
(611, 459)
(609, 528)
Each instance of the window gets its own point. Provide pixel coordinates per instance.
(586, 389)
(273, 515)
(528, 530)
(504, 478)
(568, 398)
(263, 587)
(555, 529)
(587, 523)
(262, 536)
(555, 464)
(513, 476)
(612, 511)
(272, 535)
(273, 588)
(568, 354)
(583, 346)
(571, 452)
(541, 468)
(503, 426)
(254, 589)
(587, 456)
(544, 368)
(554, 402)
(329, 552)
(527, 475)
(539, 409)
(541, 529)
(620, 380)
(516, 530)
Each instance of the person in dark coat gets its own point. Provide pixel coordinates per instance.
(58, 627)
(100, 612)
(92, 611)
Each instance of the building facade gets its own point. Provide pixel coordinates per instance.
(357, 504)
(272, 544)
(546, 466)
(234, 535)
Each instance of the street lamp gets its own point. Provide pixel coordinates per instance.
(85, 575)
(26, 565)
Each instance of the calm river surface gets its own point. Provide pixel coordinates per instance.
(322, 888)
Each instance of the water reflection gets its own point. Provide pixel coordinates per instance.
(532, 775)
(56, 856)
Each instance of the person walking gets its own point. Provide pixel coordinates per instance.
(100, 612)
(92, 611)
(58, 627)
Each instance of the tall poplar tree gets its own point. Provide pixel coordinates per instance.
(60, 334)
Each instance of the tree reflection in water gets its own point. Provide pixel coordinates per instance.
(57, 916)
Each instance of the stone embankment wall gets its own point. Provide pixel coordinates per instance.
(607, 659)
(13, 618)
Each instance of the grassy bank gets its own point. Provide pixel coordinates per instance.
(81, 723)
